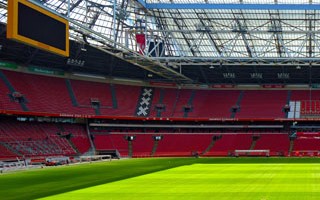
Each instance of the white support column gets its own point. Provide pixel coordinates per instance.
(297, 109)
(291, 112)
(68, 15)
(114, 23)
(89, 136)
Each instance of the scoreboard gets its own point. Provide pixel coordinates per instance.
(35, 26)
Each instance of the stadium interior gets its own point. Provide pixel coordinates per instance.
(159, 99)
(157, 79)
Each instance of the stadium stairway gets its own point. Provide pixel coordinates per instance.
(10, 148)
(71, 93)
(291, 146)
(60, 127)
(234, 112)
(208, 148)
(114, 96)
(163, 104)
(175, 103)
(213, 141)
(68, 137)
(12, 90)
(255, 138)
(7, 82)
(160, 102)
(154, 148)
(130, 149)
(90, 152)
(190, 101)
(74, 147)
(97, 109)
(287, 103)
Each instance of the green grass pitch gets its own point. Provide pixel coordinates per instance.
(170, 178)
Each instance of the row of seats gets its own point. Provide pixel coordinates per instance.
(51, 95)
(310, 107)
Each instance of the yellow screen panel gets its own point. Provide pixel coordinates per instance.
(35, 26)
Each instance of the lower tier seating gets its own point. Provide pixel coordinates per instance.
(187, 144)
(278, 144)
(229, 142)
(5, 153)
(112, 141)
(33, 139)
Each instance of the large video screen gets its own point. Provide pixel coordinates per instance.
(38, 27)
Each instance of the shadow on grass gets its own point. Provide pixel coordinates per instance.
(51, 181)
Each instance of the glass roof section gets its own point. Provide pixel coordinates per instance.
(193, 34)
(238, 1)
(243, 33)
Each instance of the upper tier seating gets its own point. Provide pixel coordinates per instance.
(43, 93)
(170, 97)
(298, 95)
(262, 104)
(127, 97)
(310, 104)
(213, 103)
(85, 91)
(155, 102)
(182, 101)
(5, 101)
(52, 95)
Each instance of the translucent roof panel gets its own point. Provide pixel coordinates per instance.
(237, 1)
(197, 33)
(244, 33)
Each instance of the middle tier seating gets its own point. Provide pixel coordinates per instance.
(51, 95)
(5, 101)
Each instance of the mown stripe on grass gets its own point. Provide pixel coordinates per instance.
(50, 181)
(211, 181)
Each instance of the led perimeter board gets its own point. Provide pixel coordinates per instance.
(35, 26)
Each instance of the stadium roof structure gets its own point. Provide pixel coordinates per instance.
(195, 41)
